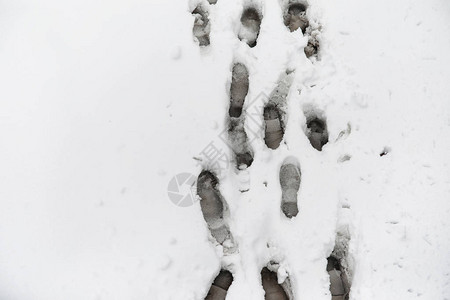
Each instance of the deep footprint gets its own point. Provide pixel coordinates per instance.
(238, 140)
(251, 24)
(236, 131)
(273, 128)
(274, 111)
(213, 206)
(238, 90)
(290, 177)
(220, 286)
(273, 290)
(202, 26)
(316, 132)
(339, 285)
(295, 17)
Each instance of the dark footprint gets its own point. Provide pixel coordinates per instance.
(202, 26)
(295, 17)
(273, 127)
(317, 132)
(212, 1)
(251, 24)
(219, 288)
(274, 110)
(238, 141)
(212, 206)
(273, 290)
(290, 177)
(238, 90)
(339, 285)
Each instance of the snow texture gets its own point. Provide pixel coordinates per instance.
(103, 103)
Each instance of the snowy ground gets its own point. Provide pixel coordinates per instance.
(102, 103)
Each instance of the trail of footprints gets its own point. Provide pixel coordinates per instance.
(294, 18)
(213, 205)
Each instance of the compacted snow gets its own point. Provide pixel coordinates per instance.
(110, 110)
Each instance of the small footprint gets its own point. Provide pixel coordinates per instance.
(290, 177)
(317, 133)
(220, 286)
(213, 206)
(316, 127)
(202, 26)
(250, 26)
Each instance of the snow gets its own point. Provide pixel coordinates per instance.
(104, 102)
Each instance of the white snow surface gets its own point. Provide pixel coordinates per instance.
(103, 102)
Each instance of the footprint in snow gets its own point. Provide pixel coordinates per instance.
(238, 90)
(275, 110)
(202, 26)
(290, 177)
(273, 290)
(213, 206)
(295, 17)
(237, 136)
(273, 128)
(317, 132)
(339, 285)
(220, 286)
(250, 26)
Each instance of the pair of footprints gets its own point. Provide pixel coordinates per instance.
(294, 16)
(214, 208)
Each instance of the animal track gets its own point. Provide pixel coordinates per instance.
(316, 128)
(202, 27)
(290, 177)
(273, 290)
(220, 286)
(213, 206)
(295, 17)
(250, 26)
